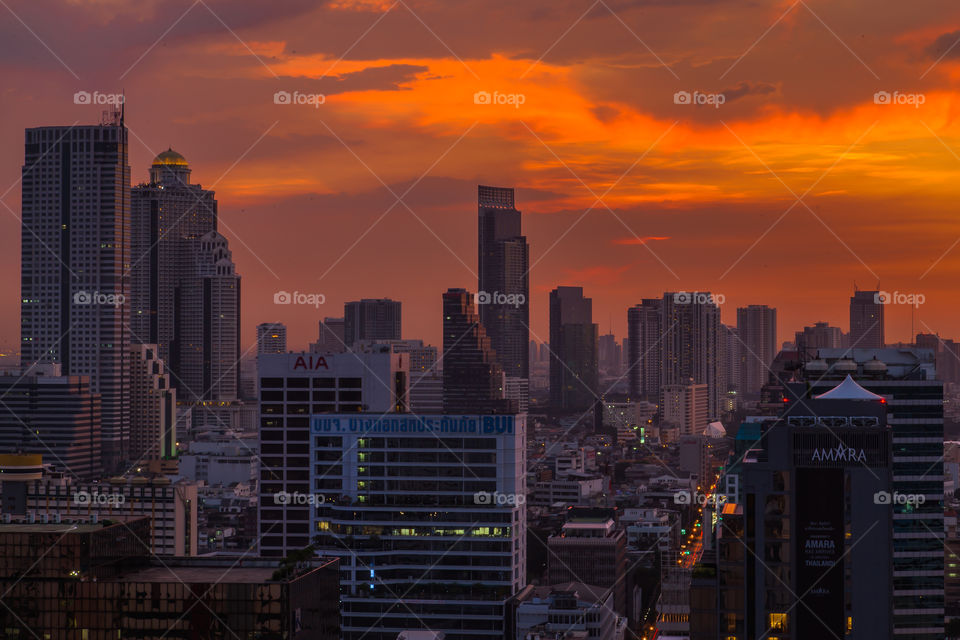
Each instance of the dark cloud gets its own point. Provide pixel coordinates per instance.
(946, 46)
(743, 89)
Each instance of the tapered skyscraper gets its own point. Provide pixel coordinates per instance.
(504, 283)
(75, 256)
(186, 292)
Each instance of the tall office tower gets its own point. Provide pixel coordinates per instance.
(814, 521)
(210, 351)
(609, 354)
(271, 337)
(371, 319)
(169, 215)
(574, 376)
(644, 348)
(294, 386)
(463, 502)
(820, 336)
(691, 344)
(866, 320)
(914, 400)
(731, 363)
(757, 330)
(504, 282)
(52, 415)
(331, 338)
(472, 378)
(153, 406)
(75, 253)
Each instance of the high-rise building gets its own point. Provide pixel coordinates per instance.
(691, 344)
(153, 406)
(683, 407)
(390, 510)
(271, 338)
(757, 330)
(294, 386)
(906, 378)
(504, 283)
(55, 416)
(169, 215)
(804, 548)
(820, 336)
(866, 320)
(644, 348)
(473, 380)
(210, 352)
(609, 356)
(731, 364)
(185, 291)
(371, 319)
(331, 337)
(574, 375)
(75, 256)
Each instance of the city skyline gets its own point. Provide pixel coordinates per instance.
(298, 184)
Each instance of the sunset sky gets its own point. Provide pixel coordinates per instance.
(796, 188)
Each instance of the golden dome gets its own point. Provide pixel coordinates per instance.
(170, 158)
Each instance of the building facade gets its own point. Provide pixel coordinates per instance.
(371, 319)
(574, 367)
(75, 251)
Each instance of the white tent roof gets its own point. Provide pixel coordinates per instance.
(848, 390)
(715, 430)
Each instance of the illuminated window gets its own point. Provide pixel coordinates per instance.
(778, 622)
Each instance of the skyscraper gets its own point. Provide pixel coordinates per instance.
(186, 292)
(574, 376)
(210, 351)
(866, 320)
(504, 283)
(371, 319)
(472, 377)
(331, 337)
(820, 335)
(691, 344)
(75, 253)
(271, 337)
(644, 347)
(757, 330)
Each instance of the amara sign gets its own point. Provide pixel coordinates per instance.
(839, 454)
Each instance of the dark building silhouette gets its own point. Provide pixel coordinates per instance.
(75, 252)
(504, 283)
(574, 376)
(866, 320)
(644, 348)
(472, 377)
(371, 319)
(757, 332)
(812, 520)
(692, 344)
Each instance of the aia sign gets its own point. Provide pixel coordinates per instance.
(310, 363)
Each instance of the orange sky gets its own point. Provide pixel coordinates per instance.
(795, 188)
